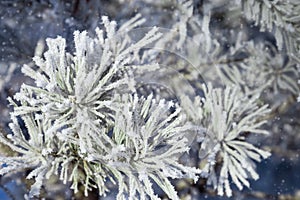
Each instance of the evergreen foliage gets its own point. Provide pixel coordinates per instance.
(120, 108)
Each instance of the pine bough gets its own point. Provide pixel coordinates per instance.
(86, 123)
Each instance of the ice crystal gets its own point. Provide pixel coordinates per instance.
(255, 73)
(147, 140)
(37, 151)
(102, 114)
(70, 86)
(144, 147)
(228, 116)
(84, 125)
(281, 17)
